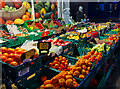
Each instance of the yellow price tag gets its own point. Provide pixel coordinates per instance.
(29, 53)
(43, 46)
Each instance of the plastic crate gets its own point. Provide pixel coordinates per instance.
(23, 69)
(35, 81)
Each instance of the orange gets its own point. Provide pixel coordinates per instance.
(11, 55)
(4, 58)
(88, 68)
(13, 63)
(10, 50)
(83, 66)
(76, 73)
(61, 82)
(48, 86)
(70, 72)
(87, 72)
(9, 60)
(50, 64)
(54, 79)
(5, 54)
(75, 84)
(81, 76)
(28, 14)
(83, 71)
(36, 55)
(25, 17)
(69, 83)
(3, 49)
(47, 82)
(17, 49)
(68, 77)
(17, 57)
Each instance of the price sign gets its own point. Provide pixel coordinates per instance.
(23, 72)
(28, 54)
(44, 47)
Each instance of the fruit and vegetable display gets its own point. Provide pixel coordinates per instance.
(74, 62)
(45, 10)
(57, 41)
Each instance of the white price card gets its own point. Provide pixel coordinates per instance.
(23, 72)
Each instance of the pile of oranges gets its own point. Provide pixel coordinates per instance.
(83, 65)
(61, 81)
(13, 56)
(60, 63)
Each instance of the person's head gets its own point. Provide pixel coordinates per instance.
(80, 8)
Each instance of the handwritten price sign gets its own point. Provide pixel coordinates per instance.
(28, 54)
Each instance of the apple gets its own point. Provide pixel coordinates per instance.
(61, 41)
(55, 40)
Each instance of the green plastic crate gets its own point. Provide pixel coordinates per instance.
(23, 69)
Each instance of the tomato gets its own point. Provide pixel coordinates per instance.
(11, 56)
(37, 15)
(17, 5)
(5, 54)
(2, 3)
(4, 49)
(9, 60)
(4, 58)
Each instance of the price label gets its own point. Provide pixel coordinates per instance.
(23, 72)
(43, 46)
(28, 54)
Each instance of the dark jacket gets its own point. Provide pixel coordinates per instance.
(79, 16)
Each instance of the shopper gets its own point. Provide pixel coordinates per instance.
(80, 14)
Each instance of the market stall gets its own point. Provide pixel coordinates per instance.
(47, 53)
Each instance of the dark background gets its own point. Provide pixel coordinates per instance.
(97, 12)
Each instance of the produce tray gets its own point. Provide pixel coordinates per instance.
(23, 69)
(35, 81)
(70, 60)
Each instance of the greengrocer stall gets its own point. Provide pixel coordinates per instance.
(39, 50)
